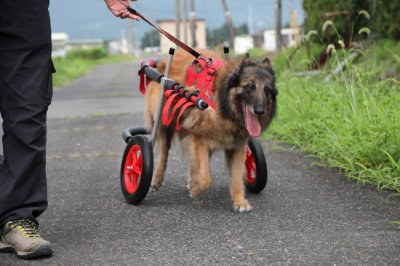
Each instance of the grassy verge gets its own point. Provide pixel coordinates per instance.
(79, 62)
(350, 122)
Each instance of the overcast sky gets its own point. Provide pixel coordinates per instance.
(90, 19)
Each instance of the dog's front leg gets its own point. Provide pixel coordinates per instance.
(199, 173)
(164, 138)
(235, 159)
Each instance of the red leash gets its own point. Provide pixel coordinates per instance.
(184, 46)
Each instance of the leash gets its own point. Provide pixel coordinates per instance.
(172, 38)
(177, 98)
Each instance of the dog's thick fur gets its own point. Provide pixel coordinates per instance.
(241, 86)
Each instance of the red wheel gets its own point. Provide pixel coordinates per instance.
(136, 169)
(256, 167)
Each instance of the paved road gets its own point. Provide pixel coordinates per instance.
(306, 215)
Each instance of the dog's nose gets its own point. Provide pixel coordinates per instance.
(259, 110)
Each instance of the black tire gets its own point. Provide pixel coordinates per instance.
(136, 169)
(256, 167)
(128, 133)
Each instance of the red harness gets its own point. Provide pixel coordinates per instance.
(200, 74)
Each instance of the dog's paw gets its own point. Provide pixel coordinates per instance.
(242, 206)
(196, 189)
(155, 187)
(196, 192)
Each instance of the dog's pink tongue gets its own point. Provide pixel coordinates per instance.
(252, 124)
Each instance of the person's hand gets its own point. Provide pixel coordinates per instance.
(119, 9)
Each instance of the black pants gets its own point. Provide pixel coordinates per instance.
(25, 94)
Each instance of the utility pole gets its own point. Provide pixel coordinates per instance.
(250, 19)
(131, 38)
(193, 23)
(229, 23)
(185, 30)
(178, 18)
(278, 21)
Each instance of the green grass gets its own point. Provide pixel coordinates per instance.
(79, 62)
(350, 122)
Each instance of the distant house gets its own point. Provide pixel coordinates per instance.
(59, 44)
(62, 45)
(85, 44)
(118, 46)
(289, 38)
(243, 43)
(170, 26)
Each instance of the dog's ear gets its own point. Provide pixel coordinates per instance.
(266, 64)
(234, 78)
(245, 61)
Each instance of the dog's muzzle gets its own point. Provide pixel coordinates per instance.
(259, 109)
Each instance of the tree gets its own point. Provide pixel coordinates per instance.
(220, 35)
(384, 18)
(150, 39)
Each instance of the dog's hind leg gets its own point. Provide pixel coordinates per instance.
(199, 173)
(164, 139)
(235, 159)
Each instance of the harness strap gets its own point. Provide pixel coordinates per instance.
(168, 116)
(183, 109)
(143, 79)
(175, 99)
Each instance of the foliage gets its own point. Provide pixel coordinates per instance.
(220, 35)
(257, 52)
(386, 57)
(383, 17)
(350, 121)
(386, 19)
(150, 39)
(89, 54)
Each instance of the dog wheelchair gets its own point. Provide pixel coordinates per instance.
(138, 160)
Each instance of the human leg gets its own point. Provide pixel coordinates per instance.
(25, 94)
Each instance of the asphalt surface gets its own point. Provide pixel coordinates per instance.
(306, 215)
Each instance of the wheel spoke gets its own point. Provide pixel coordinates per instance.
(250, 166)
(133, 168)
(137, 164)
(133, 158)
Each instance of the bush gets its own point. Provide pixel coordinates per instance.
(383, 17)
(350, 121)
(90, 54)
(80, 61)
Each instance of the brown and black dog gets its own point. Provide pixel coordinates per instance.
(245, 98)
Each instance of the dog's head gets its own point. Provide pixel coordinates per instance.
(248, 95)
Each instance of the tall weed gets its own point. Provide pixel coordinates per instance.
(351, 121)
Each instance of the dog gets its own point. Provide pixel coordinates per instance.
(245, 99)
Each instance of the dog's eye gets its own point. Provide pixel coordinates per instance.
(251, 86)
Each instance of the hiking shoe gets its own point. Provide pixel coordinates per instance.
(22, 237)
